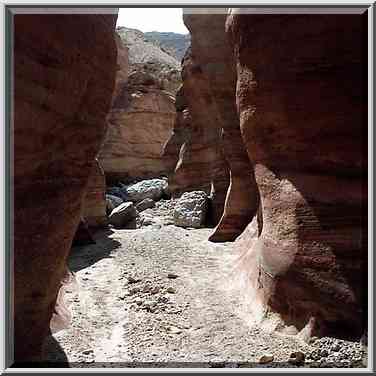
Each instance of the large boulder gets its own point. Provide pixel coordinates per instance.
(64, 72)
(190, 209)
(112, 202)
(147, 203)
(302, 100)
(123, 214)
(152, 188)
(119, 192)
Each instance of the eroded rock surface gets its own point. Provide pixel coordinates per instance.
(64, 71)
(302, 118)
(123, 214)
(190, 210)
(207, 132)
(94, 205)
(140, 121)
(196, 140)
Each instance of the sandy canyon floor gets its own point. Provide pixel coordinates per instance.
(162, 296)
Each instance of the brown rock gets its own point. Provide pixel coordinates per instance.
(297, 358)
(214, 144)
(140, 121)
(64, 68)
(83, 235)
(94, 205)
(217, 63)
(197, 140)
(301, 99)
(265, 359)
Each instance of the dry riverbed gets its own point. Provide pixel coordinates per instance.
(162, 296)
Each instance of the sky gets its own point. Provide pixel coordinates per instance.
(153, 19)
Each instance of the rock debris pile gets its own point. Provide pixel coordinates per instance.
(148, 202)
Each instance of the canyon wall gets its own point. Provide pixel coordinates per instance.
(140, 121)
(301, 96)
(197, 140)
(214, 151)
(94, 205)
(64, 71)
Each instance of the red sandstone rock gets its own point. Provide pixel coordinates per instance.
(214, 145)
(94, 205)
(64, 71)
(302, 102)
(217, 63)
(197, 138)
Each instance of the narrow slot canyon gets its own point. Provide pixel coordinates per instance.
(190, 200)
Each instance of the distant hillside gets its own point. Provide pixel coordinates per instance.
(148, 56)
(174, 43)
(143, 50)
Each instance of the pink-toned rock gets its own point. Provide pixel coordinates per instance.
(64, 71)
(196, 140)
(213, 145)
(94, 205)
(301, 95)
(140, 121)
(217, 63)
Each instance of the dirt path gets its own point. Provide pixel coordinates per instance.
(161, 294)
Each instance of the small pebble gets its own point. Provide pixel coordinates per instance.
(297, 358)
(266, 359)
(172, 275)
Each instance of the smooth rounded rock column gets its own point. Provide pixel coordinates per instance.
(301, 95)
(64, 71)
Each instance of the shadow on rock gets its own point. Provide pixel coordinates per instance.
(53, 355)
(83, 256)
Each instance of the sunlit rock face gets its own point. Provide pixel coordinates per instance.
(301, 96)
(140, 121)
(64, 72)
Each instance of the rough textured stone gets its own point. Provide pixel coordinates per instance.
(123, 214)
(301, 95)
(196, 140)
(83, 235)
(212, 144)
(145, 204)
(64, 70)
(214, 55)
(140, 121)
(112, 202)
(148, 57)
(190, 210)
(152, 188)
(119, 192)
(94, 205)
(143, 110)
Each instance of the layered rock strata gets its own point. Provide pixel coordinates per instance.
(197, 140)
(140, 121)
(301, 95)
(213, 149)
(63, 82)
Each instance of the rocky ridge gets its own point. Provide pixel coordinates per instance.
(175, 44)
